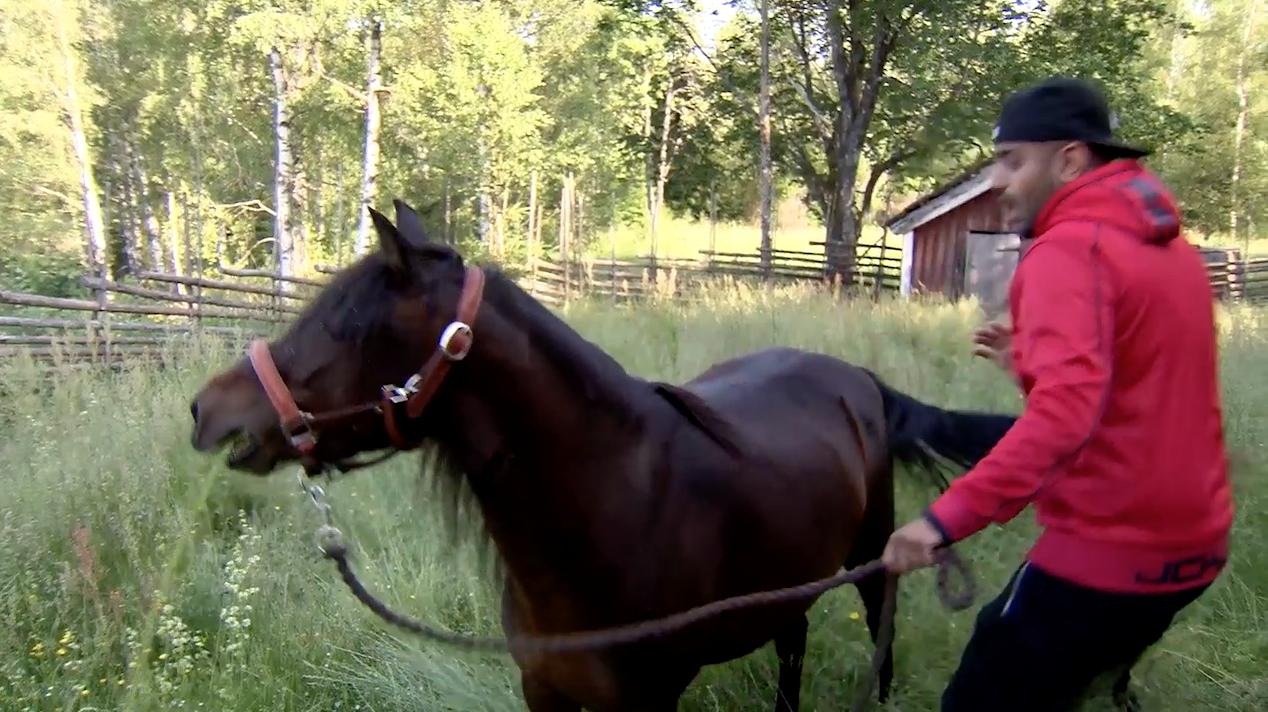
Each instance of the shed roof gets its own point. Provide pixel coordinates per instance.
(950, 195)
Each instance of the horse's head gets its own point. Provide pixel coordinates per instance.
(338, 382)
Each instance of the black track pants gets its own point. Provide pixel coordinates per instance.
(1043, 640)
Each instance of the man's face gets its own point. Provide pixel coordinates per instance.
(1025, 175)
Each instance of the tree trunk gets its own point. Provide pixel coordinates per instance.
(94, 225)
(1239, 130)
(483, 200)
(222, 237)
(649, 161)
(537, 224)
(187, 244)
(763, 114)
(283, 167)
(125, 211)
(565, 218)
(482, 215)
(841, 227)
(1175, 67)
(448, 215)
(341, 224)
(317, 205)
(713, 223)
(506, 199)
(663, 158)
(300, 228)
(565, 233)
(196, 245)
(532, 215)
(171, 262)
(149, 223)
(373, 126)
(857, 78)
(578, 221)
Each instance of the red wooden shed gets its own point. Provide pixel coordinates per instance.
(954, 241)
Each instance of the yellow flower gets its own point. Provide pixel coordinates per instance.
(61, 651)
(83, 692)
(854, 615)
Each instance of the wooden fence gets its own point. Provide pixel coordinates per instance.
(876, 268)
(145, 317)
(1234, 279)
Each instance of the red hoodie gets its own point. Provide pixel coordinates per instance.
(1120, 445)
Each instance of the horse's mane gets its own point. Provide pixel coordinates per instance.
(356, 302)
(600, 379)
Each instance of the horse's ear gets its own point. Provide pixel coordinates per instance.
(410, 226)
(411, 229)
(391, 243)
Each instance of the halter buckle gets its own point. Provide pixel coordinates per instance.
(447, 336)
(300, 435)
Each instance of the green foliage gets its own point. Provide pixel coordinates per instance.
(39, 186)
(1197, 69)
(950, 68)
(485, 100)
(52, 273)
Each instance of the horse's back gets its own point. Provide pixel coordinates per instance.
(791, 390)
(809, 430)
(782, 507)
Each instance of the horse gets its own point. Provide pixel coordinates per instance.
(608, 498)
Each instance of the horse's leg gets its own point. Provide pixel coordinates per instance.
(1124, 698)
(541, 697)
(790, 648)
(644, 692)
(878, 524)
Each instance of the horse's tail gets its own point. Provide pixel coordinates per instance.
(916, 429)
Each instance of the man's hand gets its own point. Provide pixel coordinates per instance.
(912, 547)
(995, 343)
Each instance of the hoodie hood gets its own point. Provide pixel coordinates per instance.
(1121, 194)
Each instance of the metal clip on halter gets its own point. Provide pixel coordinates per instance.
(330, 540)
(400, 394)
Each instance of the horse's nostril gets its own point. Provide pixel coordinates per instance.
(193, 411)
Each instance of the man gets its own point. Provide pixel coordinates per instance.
(1120, 445)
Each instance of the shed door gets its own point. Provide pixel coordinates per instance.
(991, 258)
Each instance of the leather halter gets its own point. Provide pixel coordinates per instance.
(301, 427)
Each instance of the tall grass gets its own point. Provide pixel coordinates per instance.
(136, 574)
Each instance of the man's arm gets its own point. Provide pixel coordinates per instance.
(1065, 316)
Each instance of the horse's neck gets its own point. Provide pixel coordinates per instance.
(533, 374)
(544, 425)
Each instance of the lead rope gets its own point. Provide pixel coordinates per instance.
(333, 545)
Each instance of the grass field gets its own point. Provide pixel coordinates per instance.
(137, 575)
(678, 237)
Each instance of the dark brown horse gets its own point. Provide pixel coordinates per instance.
(609, 498)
